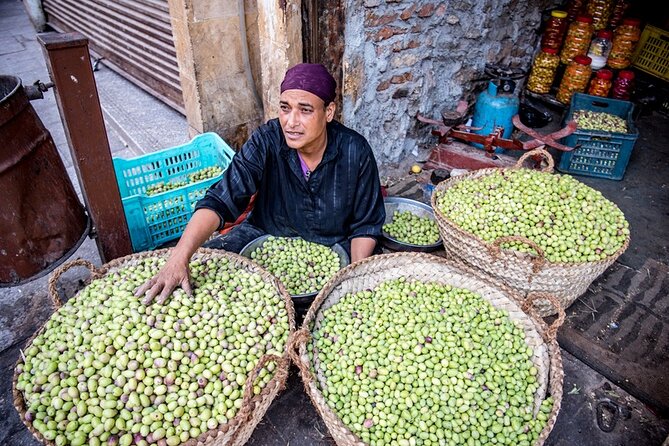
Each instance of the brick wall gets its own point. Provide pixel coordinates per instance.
(408, 57)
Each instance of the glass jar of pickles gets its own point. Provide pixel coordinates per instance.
(600, 47)
(556, 27)
(543, 71)
(625, 38)
(575, 78)
(600, 11)
(578, 39)
(601, 83)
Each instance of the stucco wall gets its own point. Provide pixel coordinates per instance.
(402, 58)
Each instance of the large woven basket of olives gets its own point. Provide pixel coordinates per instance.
(533, 230)
(198, 369)
(409, 348)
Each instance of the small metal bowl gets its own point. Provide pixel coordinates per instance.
(393, 204)
(298, 299)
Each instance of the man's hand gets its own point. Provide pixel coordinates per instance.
(174, 273)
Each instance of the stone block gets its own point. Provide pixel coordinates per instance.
(214, 9)
(403, 60)
(217, 49)
(387, 32)
(426, 10)
(373, 20)
(383, 86)
(401, 78)
(192, 103)
(227, 102)
(407, 13)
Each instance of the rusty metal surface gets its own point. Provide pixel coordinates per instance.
(42, 218)
(457, 155)
(133, 36)
(77, 97)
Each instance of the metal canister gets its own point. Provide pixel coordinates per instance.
(42, 219)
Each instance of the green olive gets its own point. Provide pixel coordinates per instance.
(303, 267)
(107, 368)
(412, 362)
(568, 220)
(410, 228)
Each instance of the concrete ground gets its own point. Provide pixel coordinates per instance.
(137, 123)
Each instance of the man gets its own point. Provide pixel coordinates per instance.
(312, 176)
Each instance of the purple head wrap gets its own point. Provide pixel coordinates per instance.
(310, 77)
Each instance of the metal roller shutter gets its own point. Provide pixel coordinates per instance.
(133, 36)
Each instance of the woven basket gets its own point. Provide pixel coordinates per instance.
(372, 271)
(523, 272)
(238, 430)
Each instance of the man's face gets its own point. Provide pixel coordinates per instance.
(303, 118)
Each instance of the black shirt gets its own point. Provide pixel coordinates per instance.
(342, 199)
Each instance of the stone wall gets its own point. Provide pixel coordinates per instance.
(408, 57)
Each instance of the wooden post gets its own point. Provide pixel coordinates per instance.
(69, 65)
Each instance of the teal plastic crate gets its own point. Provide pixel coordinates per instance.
(157, 219)
(598, 153)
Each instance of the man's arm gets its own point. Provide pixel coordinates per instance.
(368, 213)
(362, 247)
(224, 201)
(175, 272)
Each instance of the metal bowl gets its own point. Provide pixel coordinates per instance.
(298, 299)
(393, 204)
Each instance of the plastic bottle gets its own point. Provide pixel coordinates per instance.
(623, 85)
(556, 27)
(618, 13)
(543, 71)
(574, 9)
(601, 83)
(600, 11)
(600, 47)
(575, 78)
(578, 39)
(625, 38)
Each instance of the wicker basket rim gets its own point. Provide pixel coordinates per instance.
(302, 336)
(521, 255)
(276, 384)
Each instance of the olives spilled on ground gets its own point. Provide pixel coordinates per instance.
(416, 363)
(109, 370)
(408, 227)
(303, 267)
(570, 221)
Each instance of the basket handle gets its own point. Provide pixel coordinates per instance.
(299, 338)
(246, 410)
(551, 332)
(538, 151)
(53, 280)
(537, 261)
